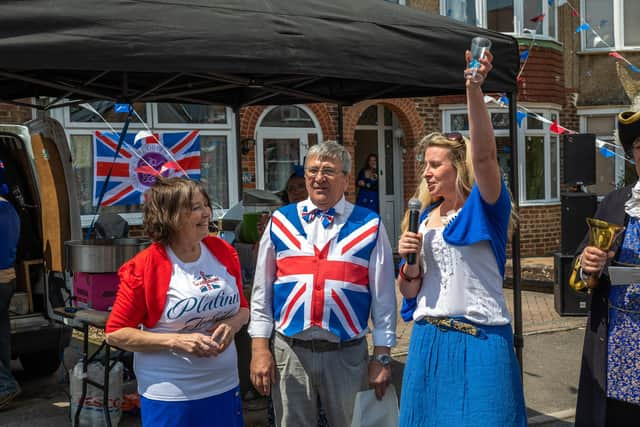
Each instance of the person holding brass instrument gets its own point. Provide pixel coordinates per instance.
(609, 390)
(461, 368)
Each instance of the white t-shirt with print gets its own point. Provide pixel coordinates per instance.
(200, 294)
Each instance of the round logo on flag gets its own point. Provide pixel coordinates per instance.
(155, 156)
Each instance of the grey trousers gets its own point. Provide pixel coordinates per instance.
(302, 375)
(7, 382)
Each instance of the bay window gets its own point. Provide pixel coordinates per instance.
(210, 125)
(505, 16)
(539, 151)
(614, 24)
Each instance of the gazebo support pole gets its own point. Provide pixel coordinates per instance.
(515, 238)
(236, 116)
(339, 136)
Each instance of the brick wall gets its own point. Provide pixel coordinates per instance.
(539, 230)
(13, 114)
(543, 77)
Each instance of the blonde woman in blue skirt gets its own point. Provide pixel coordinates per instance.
(461, 369)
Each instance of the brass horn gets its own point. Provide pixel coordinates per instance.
(602, 235)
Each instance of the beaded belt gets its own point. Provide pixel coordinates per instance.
(447, 324)
(319, 346)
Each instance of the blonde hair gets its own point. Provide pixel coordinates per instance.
(166, 205)
(460, 156)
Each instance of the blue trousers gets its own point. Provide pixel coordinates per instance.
(8, 384)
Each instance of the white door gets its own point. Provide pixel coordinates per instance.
(377, 132)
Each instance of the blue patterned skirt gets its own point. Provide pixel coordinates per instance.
(455, 379)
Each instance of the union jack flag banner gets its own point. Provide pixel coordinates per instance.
(126, 186)
(325, 287)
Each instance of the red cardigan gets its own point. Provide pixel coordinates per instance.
(144, 282)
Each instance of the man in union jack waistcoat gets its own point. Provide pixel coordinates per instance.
(324, 269)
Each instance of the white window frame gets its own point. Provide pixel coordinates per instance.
(522, 132)
(618, 30)
(518, 19)
(282, 132)
(585, 114)
(227, 130)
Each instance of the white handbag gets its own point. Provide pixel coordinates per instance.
(371, 412)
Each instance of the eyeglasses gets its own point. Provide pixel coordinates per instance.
(454, 136)
(314, 172)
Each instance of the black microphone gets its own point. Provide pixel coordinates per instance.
(414, 217)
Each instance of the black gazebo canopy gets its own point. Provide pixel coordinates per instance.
(237, 52)
(243, 52)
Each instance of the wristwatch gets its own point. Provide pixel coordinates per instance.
(383, 359)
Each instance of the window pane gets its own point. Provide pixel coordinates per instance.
(534, 167)
(500, 120)
(551, 20)
(214, 173)
(462, 10)
(532, 8)
(192, 113)
(369, 116)
(503, 144)
(534, 123)
(279, 157)
(500, 15)
(287, 116)
(105, 108)
(388, 117)
(631, 29)
(553, 165)
(388, 161)
(459, 122)
(599, 14)
(82, 163)
(601, 125)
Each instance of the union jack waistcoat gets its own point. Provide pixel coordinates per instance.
(326, 287)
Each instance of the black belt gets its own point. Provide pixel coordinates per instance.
(319, 346)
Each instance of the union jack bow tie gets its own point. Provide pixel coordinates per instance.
(327, 216)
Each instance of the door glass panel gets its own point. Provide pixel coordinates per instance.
(287, 116)
(534, 167)
(279, 157)
(388, 117)
(369, 116)
(388, 162)
(214, 173)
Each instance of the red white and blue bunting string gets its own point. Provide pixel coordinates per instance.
(605, 148)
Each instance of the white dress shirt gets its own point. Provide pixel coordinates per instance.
(381, 280)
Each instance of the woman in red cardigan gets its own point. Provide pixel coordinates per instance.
(178, 308)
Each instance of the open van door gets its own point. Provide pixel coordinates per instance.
(41, 188)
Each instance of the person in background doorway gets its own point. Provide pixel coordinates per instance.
(609, 388)
(179, 305)
(461, 368)
(367, 184)
(10, 232)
